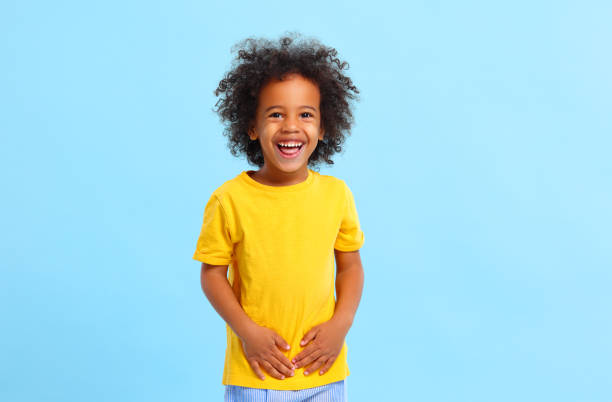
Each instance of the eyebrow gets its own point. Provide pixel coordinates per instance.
(303, 106)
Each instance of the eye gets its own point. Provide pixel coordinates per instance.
(307, 114)
(275, 114)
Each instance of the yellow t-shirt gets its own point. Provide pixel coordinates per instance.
(279, 244)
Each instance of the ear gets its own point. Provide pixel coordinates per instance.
(321, 133)
(252, 133)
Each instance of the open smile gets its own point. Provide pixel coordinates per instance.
(290, 151)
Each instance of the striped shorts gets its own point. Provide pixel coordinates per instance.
(333, 392)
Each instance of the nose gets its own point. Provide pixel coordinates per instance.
(290, 123)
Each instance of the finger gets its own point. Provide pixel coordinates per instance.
(297, 357)
(272, 371)
(327, 365)
(310, 335)
(281, 366)
(281, 343)
(297, 360)
(317, 363)
(256, 369)
(283, 359)
(310, 358)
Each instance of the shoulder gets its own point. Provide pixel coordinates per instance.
(330, 181)
(228, 188)
(335, 185)
(334, 188)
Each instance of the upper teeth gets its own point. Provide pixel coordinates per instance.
(290, 144)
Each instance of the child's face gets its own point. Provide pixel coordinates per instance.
(287, 113)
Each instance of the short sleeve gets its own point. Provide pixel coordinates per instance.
(214, 245)
(350, 237)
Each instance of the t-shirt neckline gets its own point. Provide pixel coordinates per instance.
(278, 189)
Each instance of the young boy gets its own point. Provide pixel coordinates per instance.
(279, 228)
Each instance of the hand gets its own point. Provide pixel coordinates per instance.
(261, 348)
(326, 341)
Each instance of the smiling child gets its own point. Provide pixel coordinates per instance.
(279, 229)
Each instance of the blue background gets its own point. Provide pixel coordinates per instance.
(479, 161)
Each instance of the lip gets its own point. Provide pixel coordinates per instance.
(301, 141)
(297, 154)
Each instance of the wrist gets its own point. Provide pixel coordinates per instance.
(246, 329)
(344, 321)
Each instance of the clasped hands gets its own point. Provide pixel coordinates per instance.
(322, 344)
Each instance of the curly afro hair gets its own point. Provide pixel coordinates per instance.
(260, 60)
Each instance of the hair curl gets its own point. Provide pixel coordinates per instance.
(260, 60)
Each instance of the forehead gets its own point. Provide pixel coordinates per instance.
(293, 90)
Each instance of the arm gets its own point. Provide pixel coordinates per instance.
(325, 340)
(260, 344)
(349, 286)
(217, 289)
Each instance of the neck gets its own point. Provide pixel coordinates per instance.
(279, 178)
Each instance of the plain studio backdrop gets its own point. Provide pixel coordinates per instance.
(479, 162)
